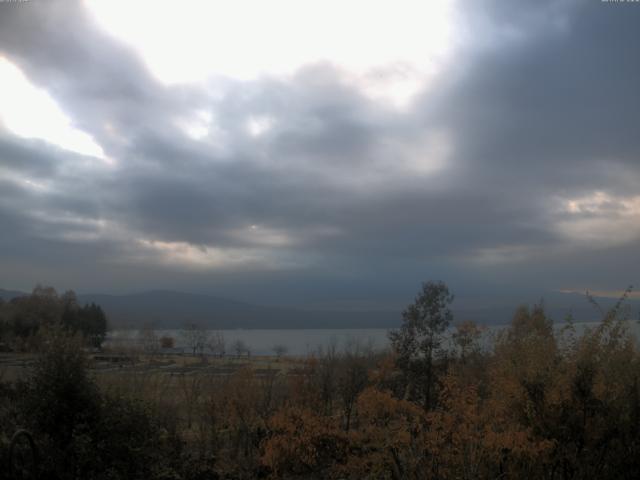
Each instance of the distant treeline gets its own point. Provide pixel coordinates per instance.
(543, 403)
(23, 316)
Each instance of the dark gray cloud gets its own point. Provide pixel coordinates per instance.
(517, 169)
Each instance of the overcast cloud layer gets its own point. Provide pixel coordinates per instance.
(515, 169)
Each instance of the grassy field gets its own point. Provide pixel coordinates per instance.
(109, 367)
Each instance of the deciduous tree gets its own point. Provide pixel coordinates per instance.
(417, 343)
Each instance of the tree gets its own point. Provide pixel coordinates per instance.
(5, 327)
(92, 323)
(69, 298)
(303, 442)
(196, 337)
(280, 350)
(467, 338)
(352, 380)
(418, 341)
(59, 393)
(148, 339)
(89, 320)
(217, 344)
(240, 347)
(30, 312)
(191, 389)
(167, 342)
(84, 432)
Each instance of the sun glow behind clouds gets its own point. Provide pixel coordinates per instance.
(388, 49)
(30, 112)
(190, 256)
(202, 258)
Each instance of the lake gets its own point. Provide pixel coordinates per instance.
(307, 341)
(262, 342)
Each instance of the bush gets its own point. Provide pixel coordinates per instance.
(84, 433)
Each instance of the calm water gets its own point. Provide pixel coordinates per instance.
(262, 342)
(304, 342)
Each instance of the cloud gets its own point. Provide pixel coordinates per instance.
(516, 168)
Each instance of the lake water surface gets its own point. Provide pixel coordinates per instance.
(262, 342)
(307, 341)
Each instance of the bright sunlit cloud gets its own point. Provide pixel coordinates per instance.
(200, 258)
(258, 125)
(197, 126)
(601, 219)
(30, 112)
(263, 236)
(185, 254)
(389, 49)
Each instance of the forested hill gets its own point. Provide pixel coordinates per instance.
(9, 294)
(171, 309)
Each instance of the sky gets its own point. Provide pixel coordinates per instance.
(320, 153)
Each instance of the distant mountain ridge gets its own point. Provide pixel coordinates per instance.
(172, 309)
(9, 294)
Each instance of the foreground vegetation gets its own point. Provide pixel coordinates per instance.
(540, 403)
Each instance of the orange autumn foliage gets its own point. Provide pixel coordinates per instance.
(302, 442)
(387, 441)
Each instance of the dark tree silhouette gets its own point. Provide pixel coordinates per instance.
(419, 339)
